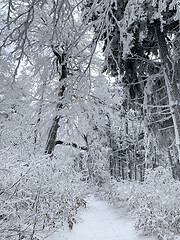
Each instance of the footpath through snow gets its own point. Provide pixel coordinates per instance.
(100, 222)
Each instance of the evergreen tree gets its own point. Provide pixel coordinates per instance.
(141, 45)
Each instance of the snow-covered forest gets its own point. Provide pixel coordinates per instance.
(90, 104)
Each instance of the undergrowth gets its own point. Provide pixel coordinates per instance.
(37, 196)
(154, 203)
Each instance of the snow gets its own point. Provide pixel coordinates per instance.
(101, 222)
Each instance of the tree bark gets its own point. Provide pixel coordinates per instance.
(51, 141)
(52, 136)
(170, 67)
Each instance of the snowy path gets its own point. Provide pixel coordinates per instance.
(100, 222)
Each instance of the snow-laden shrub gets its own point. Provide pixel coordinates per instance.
(37, 195)
(159, 212)
(154, 203)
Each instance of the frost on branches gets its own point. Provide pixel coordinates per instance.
(89, 95)
(154, 204)
(38, 195)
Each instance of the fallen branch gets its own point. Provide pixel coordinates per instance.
(72, 145)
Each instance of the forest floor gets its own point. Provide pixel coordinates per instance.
(101, 222)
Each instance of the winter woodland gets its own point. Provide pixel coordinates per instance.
(90, 102)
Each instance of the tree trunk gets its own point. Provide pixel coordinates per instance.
(170, 68)
(51, 141)
(171, 163)
(52, 136)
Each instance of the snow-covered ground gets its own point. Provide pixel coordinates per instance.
(100, 222)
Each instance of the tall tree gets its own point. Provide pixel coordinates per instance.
(141, 42)
(50, 39)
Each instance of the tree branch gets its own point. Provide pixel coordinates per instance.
(59, 142)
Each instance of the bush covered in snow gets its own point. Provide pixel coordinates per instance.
(37, 196)
(154, 203)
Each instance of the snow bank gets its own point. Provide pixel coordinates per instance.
(100, 222)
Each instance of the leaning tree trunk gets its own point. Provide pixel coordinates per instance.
(170, 69)
(51, 141)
